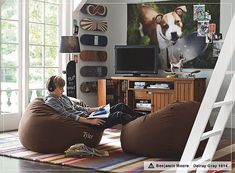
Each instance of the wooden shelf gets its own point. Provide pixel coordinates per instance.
(143, 110)
(122, 90)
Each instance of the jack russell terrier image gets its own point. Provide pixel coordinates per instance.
(163, 29)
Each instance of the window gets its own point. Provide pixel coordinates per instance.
(28, 53)
(43, 44)
(10, 56)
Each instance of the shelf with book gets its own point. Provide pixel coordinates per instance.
(111, 91)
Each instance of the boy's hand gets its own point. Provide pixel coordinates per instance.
(96, 121)
(101, 107)
(90, 110)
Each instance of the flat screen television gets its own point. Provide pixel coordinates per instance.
(136, 59)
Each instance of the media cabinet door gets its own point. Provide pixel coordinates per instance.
(190, 90)
(161, 99)
(184, 90)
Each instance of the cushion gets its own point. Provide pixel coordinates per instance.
(42, 129)
(163, 133)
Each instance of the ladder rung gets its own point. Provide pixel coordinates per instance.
(230, 72)
(222, 103)
(200, 160)
(210, 134)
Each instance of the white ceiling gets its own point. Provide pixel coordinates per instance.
(79, 3)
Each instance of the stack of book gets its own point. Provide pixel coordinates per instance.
(139, 85)
(143, 105)
(159, 86)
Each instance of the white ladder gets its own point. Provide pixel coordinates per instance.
(208, 104)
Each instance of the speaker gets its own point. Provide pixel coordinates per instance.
(51, 85)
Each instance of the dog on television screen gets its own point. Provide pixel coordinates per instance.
(163, 29)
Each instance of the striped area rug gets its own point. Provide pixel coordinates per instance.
(118, 161)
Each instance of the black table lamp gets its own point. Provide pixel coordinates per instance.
(70, 44)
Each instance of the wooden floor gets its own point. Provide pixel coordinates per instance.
(11, 165)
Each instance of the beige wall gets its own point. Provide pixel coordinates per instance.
(116, 33)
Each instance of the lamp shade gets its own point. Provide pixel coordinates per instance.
(69, 44)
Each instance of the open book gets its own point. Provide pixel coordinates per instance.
(101, 113)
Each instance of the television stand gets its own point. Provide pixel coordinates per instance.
(139, 75)
(149, 94)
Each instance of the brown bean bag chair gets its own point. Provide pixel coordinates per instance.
(161, 134)
(43, 130)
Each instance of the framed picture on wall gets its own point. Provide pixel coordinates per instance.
(217, 46)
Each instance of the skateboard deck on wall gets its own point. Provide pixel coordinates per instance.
(189, 47)
(93, 55)
(93, 40)
(94, 10)
(93, 25)
(71, 79)
(93, 71)
(90, 86)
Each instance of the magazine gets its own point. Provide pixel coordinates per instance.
(101, 112)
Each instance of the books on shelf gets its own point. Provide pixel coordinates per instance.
(139, 85)
(101, 113)
(159, 86)
(142, 105)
